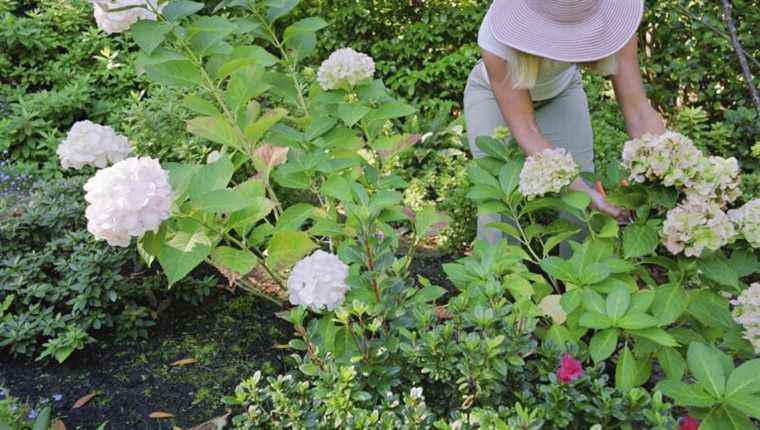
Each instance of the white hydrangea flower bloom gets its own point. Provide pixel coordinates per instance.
(344, 69)
(127, 199)
(547, 172)
(695, 225)
(92, 144)
(747, 313)
(118, 22)
(747, 221)
(318, 281)
(670, 158)
(717, 179)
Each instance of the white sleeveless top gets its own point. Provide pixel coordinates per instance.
(553, 76)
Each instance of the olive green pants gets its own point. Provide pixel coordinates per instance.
(564, 121)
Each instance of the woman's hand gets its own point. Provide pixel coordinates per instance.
(598, 201)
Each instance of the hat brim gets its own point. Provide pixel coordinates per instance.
(605, 32)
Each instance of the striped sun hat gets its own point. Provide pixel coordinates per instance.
(566, 30)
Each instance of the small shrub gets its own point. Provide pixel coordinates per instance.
(59, 287)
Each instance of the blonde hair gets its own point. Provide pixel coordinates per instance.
(523, 68)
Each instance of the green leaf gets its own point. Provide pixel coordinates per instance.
(149, 34)
(594, 273)
(390, 110)
(178, 9)
(295, 216)
(496, 149)
(180, 176)
(717, 269)
(558, 268)
(429, 294)
(641, 301)
(595, 320)
(637, 321)
(351, 113)
(626, 370)
(279, 8)
(199, 105)
(309, 369)
(672, 363)
(206, 32)
(509, 177)
(244, 220)
(237, 260)
(215, 129)
(610, 229)
(576, 199)
(244, 84)
(211, 177)
(725, 418)
(670, 303)
(654, 334)
(256, 130)
(222, 201)
(187, 248)
(744, 262)
(618, 301)
(338, 187)
(170, 68)
(556, 239)
(711, 310)
(748, 404)
(593, 301)
(306, 25)
(745, 379)
(287, 247)
(245, 55)
(639, 240)
(428, 221)
(686, 394)
(43, 418)
(706, 367)
(603, 344)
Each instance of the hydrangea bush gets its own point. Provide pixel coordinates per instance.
(614, 335)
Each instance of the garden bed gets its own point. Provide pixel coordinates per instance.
(230, 336)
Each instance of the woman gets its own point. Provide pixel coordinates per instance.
(528, 79)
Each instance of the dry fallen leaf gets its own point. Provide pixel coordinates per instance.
(160, 415)
(83, 400)
(184, 362)
(442, 313)
(57, 425)
(217, 423)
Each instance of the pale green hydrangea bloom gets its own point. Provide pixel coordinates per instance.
(747, 221)
(547, 172)
(695, 225)
(747, 314)
(717, 179)
(670, 158)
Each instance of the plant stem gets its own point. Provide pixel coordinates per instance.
(291, 62)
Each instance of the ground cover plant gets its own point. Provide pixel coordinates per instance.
(300, 187)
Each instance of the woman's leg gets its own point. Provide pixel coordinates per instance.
(483, 116)
(566, 123)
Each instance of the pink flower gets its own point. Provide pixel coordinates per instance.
(688, 423)
(569, 370)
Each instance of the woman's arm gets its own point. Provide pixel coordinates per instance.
(640, 116)
(516, 107)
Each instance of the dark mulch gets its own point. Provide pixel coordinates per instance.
(231, 337)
